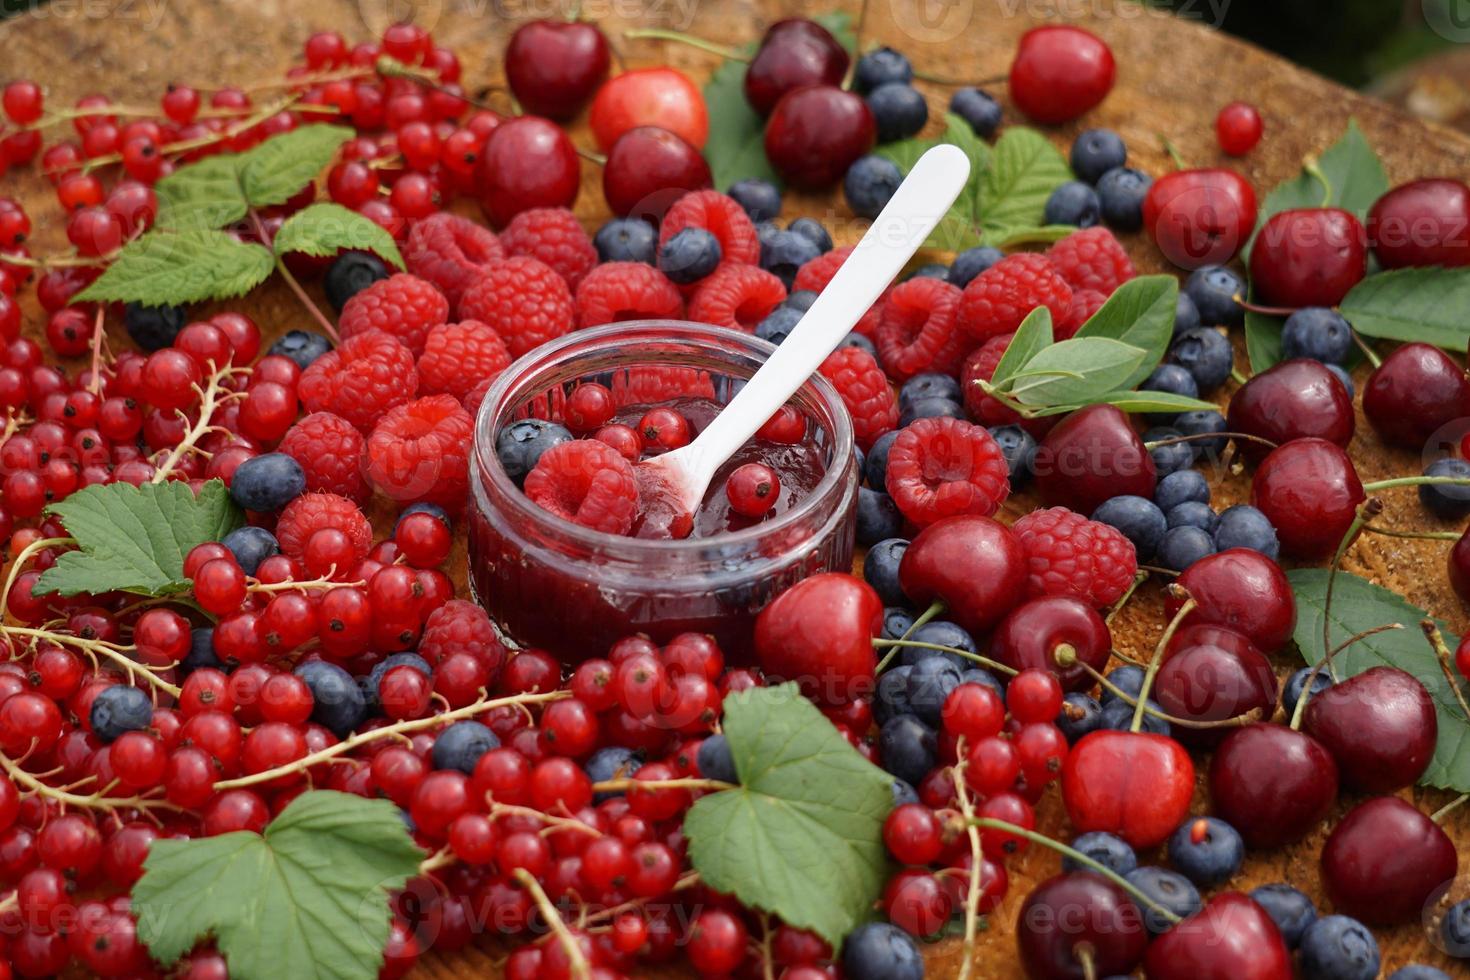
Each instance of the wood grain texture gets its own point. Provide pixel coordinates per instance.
(1173, 76)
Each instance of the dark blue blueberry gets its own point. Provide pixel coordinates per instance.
(971, 262)
(1127, 678)
(1176, 488)
(1081, 715)
(879, 67)
(201, 652)
(977, 675)
(978, 109)
(899, 110)
(251, 545)
(1336, 947)
(338, 703)
(1108, 850)
(862, 343)
(784, 252)
(1206, 850)
(761, 199)
(876, 466)
(374, 680)
(690, 255)
(1137, 519)
(1095, 152)
(424, 507)
(519, 445)
(1199, 423)
(1455, 930)
(814, 230)
(930, 682)
(764, 230)
(1243, 526)
(1169, 457)
(1214, 289)
(903, 793)
(461, 744)
(1019, 450)
(1183, 546)
(1289, 908)
(778, 324)
(153, 327)
(869, 183)
(1340, 373)
(1297, 682)
(118, 709)
(716, 761)
(1072, 203)
(617, 762)
(1117, 716)
(1418, 971)
(881, 951)
(930, 408)
(929, 270)
(801, 299)
(1318, 333)
(1192, 513)
(940, 633)
(897, 621)
(626, 240)
(301, 346)
(928, 385)
(908, 748)
(1206, 354)
(1447, 500)
(878, 517)
(880, 570)
(268, 482)
(1166, 889)
(1171, 379)
(1121, 191)
(1186, 314)
(891, 699)
(349, 274)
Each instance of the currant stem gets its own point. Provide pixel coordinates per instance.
(687, 880)
(99, 339)
(199, 143)
(972, 893)
(616, 785)
(975, 657)
(578, 963)
(1442, 654)
(209, 401)
(117, 654)
(93, 802)
(1157, 661)
(18, 563)
(441, 858)
(936, 608)
(658, 34)
(1390, 532)
(552, 821)
(256, 585)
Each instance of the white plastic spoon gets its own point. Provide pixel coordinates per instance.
(671, 486)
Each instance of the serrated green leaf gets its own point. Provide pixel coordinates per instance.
(205, 194)
(307, 899)
(803, 835)
(1428, 305)
(134, 539)
(169, 268)
(1078, 370)
(1024, 169)
(325, 229)
(1139, 313)
(1006, 238)
(276, 170)
(1357, 606)
(735, 148)
(1031, 337)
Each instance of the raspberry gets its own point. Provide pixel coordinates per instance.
(457, 356)
(815, 274)
(523, 299)
(1092, 259)
(865, 392)
(998, 299)
(420, 452)
(941, 467)
(722, 217)
(329, 450)
(736, 296)
(618, 291)
(553, 236)
(587, 482)
(360, 380)
(450, 251)
(980, 366)
(1070, 555)
(402, 306)
(916, 329)
(476, 395)
(1085, 302)
(311, 512)
(461, 626)
(647, 384)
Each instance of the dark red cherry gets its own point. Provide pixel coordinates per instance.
(1293, 400)
(1384, 860)
(1073, 918)
(1308, 257)
(1033, 634)
(1380, 726)
(1459, 566)
(554, 66)
(1231, 938)
(527, 163)
(1133, 784)
(1060, 72)
(819, 633)
(795, 53)
(648, 169)
(1310, 491)
(973, 564)
(1200, 217)
(1272, 783)
(1242, 589)
(1093, 455)
(1416, 391)
(815, 133)
(1423, 222)
(1209, 682)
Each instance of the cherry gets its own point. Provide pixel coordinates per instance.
(527, 163)
(1038, 630)
(649, 97)
(554, 66)
(1308, 257)
(1093, 455)
(1200, 217)
(1059, 73)
(1380, 726)
(794, 53)
(1416, 391)
(1206, 681)
(1272, 783)
(1136, 785)
(1242, 589)
(816, 133)
(1292, 400)
(819, 633)
(973, 564)
(1231, 938)
(1423, 222)
(1238, 128)
(1076, 916)
(1459, 571)
(648, 169)
(1384, 860)
(1310, 491)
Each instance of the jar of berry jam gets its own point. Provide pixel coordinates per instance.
(550, 583)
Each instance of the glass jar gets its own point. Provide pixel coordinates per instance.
(553, 584)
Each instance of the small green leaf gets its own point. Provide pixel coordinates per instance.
(1033, 335)
(1082, 369)
(1357, 606)
(1006, 238)
(168, 268)
(1024, 169)
(325, 229)
(957, 230)
(1262, 340)
(276, 170)
(1140, 313)
(134, 539)
(205, 194)
(1426, 305)
(803, 835)
(1150, 401)
(306, 899)
(736, 146)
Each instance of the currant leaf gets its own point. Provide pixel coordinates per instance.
(1141, 313)
(1412, 305)
(170, 268)
(1024, 169)
(205, 194)
(325, 229)
(278, 169)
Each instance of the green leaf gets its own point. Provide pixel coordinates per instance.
(276, 170)
(1262, 340)
(736, 146)
(1359, 605)
(1412, 305)
(325, 229)
(1139, 313)
(1024, 169)
(1077, 370)
(205, 194)
(307, 899)
(1044, 235)
(1030, 338)
(134, 539)
(957, 230)
(168, 268)
(839, 24)
(803, 835)
(1149, 401)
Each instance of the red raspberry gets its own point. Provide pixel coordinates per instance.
(329, 450)
(736, 296)
(980, 366)
(998, 299)
(461, 626)
(941, 467)
(1092, 259)
(1085, 302)
(365, 377)
(402, 306)
(450, 251)
(865, 392)
(720, 216)
(459, 355)
(916, 329)
(421, 451)
(587, 482)
(553, 236)
(311, 512)
(523, 299)
(650, 384)
(1070, 555)
(815, 274)
(476, 395)
(618, 291)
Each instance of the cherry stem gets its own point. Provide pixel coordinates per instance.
(658, 34)
(983, 661)
(977, 861)
(296, 287)
(1366, 511)
(1237, 721)
(1157, 660)
(617, 785)
(1416, 481)
(1450, 807)
(1201, 436)
(1138, 580)
(1159, 570)
(1313, 168)
(210, 400)
(1264, 310)
(1442, 654)
(1368, 351)
(1301, 704)
(936, 608)
(96, 801)
(1083, 953)
(575, 959)
(1238, 376)
(1173, 152)
(1390, 532)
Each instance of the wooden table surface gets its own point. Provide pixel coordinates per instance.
(1173, 76)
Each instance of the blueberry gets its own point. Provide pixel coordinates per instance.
(978, 109)
(876, 466)
(879, 67)
(1081, 715)
(869, 183)
(118, 709)
(1214, 289)
(251, 545)
(716, 761)
(862, 343)
(1111, 852)
(881, 951)
(374, 680)
(1117, 716)
(349, 274)
(784, 252)
(930, 408)
(896, 622)
(1019, 450)
(1072, 203)
(1186, 314)
(1199, 423)
(928, 385)
(903, 793)
(1173, 380)
(153, 327)
(1192, 513)
(617, 762)
(626, 240)
(1165, 889)
(778, 324)
(1336, 947)
(1207, 851)
(880, 570)
(1183, 546)
(338, 704)
(1340, 373)
(1297, 682)
(201, 652)
(1176, 488)
(424, 507)
(1290, 909)
(301, 346)
(1418, 971)
(929, 270)
(268, 482)
(1095, 152)
(1127, 678)
(971, 262)
(812, 229)
(984, 678)
(520, 445)
(1120, 192)
(1455, 930)
(1169, 457)
(1318, 333)
(941, 633)
(891, 699)
(690, 255)
(899, 110)
(1137, 519)
(1206, 354)
(908, 748)
(764, 230)
(1446, 500)
(878, 517)
(930, 682)
(760, 198)
(801, 300)
(1243, 526)
(461, 744)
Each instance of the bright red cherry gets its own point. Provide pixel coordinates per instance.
(815, 133)
(554, 66)
(1238, 128)
(1415, 392)
(1379, 725)
(1272, 783)
(1060, 72)
(973, 564)
(1037, 631)
(1308, 257)
(649, 97)
(527, 163)
(1384, 861)
(1292, 400)
(794, 53)
(1231, 938)
(819, 633)
(1423, 222)
(1200, 217)
(1136, 785)
(1310, 491)
(1093, 455)
(648, 169)
(1244, 590)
